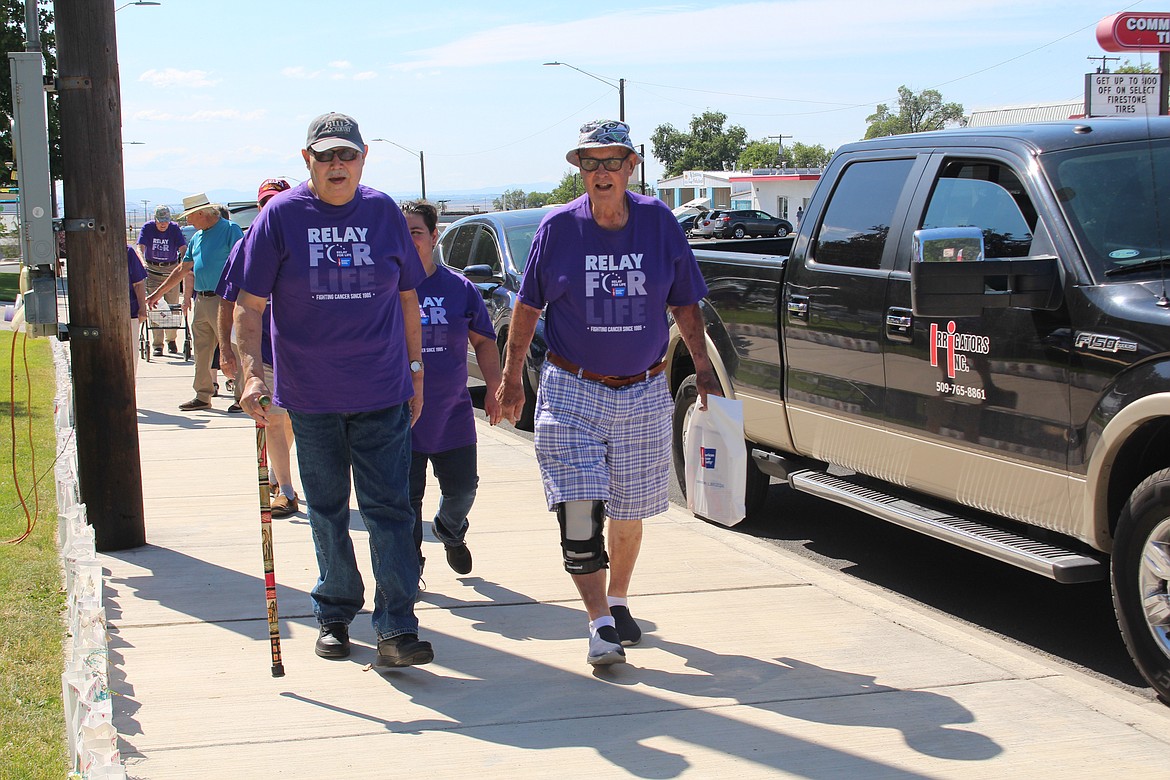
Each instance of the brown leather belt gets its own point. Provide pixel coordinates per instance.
(608, 381)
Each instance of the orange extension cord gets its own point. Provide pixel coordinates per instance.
(30, 520)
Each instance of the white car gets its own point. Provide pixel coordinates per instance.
(705, 227)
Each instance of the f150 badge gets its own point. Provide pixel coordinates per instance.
(1099, 342)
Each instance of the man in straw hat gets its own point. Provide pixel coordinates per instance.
(206, 256)
(605, 268)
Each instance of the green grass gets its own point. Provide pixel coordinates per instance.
(32, 723)
(9, 287)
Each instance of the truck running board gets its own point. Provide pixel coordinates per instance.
(1062, 565)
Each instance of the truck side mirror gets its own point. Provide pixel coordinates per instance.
(950, 277)
(948, 245)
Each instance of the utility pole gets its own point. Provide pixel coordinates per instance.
(1104, 66)
(109, 467)
(779, 148)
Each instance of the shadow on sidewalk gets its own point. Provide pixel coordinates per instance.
(502, 693)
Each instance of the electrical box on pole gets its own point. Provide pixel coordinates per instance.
(30, 145)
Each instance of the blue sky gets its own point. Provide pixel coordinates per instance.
(219, 94)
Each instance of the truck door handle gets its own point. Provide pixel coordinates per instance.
(798, 307)
(899, 324)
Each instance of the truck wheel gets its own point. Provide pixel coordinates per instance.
(738, 231)
(1141, 579)
(685, 400)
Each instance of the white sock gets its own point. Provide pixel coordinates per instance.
(288, 492)
(617, 601)
(272, 477)
(601, 621)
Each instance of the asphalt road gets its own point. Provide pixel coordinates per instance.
(1070, 624)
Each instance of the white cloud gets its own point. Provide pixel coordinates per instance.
(779, 33)
(173, 77)
(299, 72)
(340, 64)
(365, 75)
(220, 115)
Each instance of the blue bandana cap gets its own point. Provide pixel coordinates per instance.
(601, 134)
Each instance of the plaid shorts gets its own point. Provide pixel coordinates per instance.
(598, 443)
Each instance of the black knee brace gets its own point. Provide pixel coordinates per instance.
(583, 536)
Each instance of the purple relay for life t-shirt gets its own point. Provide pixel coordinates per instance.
(608, 290)
(334, 274)
(449, 306)
(161, 246)
(230, 291)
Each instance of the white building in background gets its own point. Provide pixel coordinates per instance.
(1035, 112)
(778, 191)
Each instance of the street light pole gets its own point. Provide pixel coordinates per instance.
(620, 86)
(136, 2)
(422, 168)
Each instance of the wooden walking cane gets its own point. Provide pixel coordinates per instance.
(266, 543)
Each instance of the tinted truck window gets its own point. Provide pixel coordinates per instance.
(987, 196)
(857, 221)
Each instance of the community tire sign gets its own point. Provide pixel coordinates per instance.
(1128, 94)
(1134, 31)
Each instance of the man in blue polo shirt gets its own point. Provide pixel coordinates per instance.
(206, 256)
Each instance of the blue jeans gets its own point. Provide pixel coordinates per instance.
(456, 472)
(376, 447)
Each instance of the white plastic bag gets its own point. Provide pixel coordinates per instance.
(715, 461)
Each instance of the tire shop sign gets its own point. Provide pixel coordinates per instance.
(1128, 94)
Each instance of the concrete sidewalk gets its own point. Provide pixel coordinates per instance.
(754, 663)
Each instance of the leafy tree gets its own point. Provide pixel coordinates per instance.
(519, 199)
(13, 39)
(914, 114)
(707, 147)
(570, 187)
(806, 156)
(1129, 67)
(759, 154)
(765, 154)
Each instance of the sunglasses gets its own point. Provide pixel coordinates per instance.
(610, 163)
(345, 154)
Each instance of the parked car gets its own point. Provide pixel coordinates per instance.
(687, 223)
(743, 223)
(705, 227)
(491, 250)
(243, 213)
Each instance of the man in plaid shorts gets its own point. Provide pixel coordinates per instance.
(606, 268)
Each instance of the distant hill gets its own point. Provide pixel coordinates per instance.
(174, 198)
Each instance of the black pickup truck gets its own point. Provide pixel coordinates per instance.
(969, 336)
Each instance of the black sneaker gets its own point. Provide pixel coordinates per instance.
(627, 627)
(334, 641)
(403, 650)
(235, 409)
(459, 559)
(172, 347)
(158, 351)
(215, 389)
(194, 405)
(605, 648)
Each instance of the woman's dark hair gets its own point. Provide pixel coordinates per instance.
(424, 209)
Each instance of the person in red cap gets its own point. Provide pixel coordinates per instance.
(280, 433)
